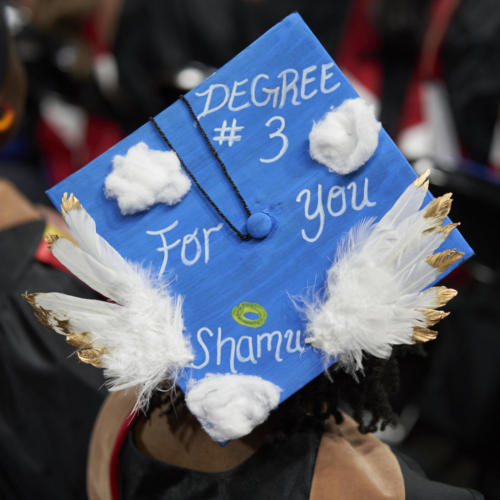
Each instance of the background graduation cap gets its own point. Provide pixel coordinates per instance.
(241, 323)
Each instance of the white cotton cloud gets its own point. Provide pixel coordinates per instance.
(230, 406)
(346, 137)
(144, 177)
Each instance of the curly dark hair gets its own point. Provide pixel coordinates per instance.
(368, 398)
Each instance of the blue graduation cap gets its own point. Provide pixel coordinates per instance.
(259, 256)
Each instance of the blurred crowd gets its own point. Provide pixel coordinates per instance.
(78, 75)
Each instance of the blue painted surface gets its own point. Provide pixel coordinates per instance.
(269, 161)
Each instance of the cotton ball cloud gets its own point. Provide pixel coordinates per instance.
(230, 406)
(144, 177)
(346, 137)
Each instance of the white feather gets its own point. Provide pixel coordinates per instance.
(103, 279)
(79, 315)
(141, 334)
(81, 226)
(373, 297)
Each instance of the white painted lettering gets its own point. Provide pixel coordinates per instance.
(253, 87)
(288, 86)
(337, 204)
(209, 93)
(326, 76)
(235, 93)
(250, 357)
(366, 202)
(191, 248)
(270, 337)
(206, 237)
(220, 344)
(333, 193)
(203, 346)
(289, 339)
(275, 92)
(188, 238)
(306, 81)
(247, 348)
(165, 247)
(277, 133)
(319, 212)
(295, 86)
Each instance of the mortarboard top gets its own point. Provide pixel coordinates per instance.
(258, 110)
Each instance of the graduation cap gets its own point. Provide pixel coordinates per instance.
(257, 231)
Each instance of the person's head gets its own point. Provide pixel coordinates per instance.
(368, 397)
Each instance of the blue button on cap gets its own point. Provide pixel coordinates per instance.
(259, 225)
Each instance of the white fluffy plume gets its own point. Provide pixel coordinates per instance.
(230, 406)
(346, 137)
(144, 177)
(373, 298)
(138, 338)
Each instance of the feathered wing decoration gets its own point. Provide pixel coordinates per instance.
(375, 296)
(138, 337)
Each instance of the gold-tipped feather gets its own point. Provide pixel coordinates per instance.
(51, 239)
(421, 180)
(92, 356)
(422, 334)
(70, 202)
(79, 340)
(444, 294)
(46, 317)
(41, 314)
(443, 260)
(433, 316)
(29, 298)
(61, 324)
(445, 230)
(439, 207)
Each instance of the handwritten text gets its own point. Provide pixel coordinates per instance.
(336, 203)
(191, 248)
(293, 87)
(247, 349)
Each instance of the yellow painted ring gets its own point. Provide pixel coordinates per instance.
(244, 308)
